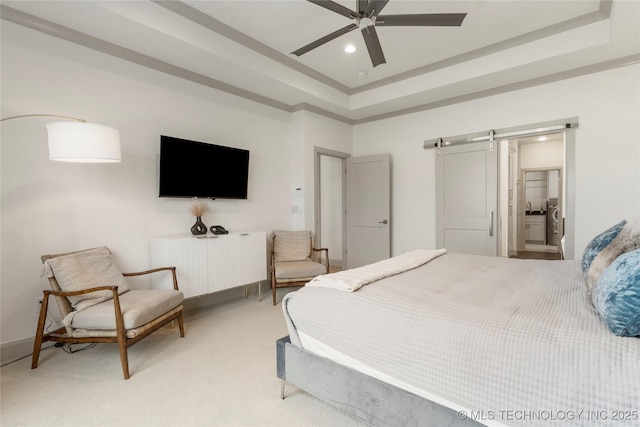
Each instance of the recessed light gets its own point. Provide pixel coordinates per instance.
(362, 74)
(542, 138)
(350, 48)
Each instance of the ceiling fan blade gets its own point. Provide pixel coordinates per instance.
(375, 6)
(324, 39)
(336, 7)
(427, 19)
(373, 45)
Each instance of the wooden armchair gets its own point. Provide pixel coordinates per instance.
(97, 305)
(294, 260)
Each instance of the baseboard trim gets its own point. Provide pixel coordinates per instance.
(335, 263)
(16, 350)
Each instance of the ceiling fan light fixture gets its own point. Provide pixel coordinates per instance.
(366, 22)
(365, 18)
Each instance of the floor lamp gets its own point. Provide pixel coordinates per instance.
(79, 141)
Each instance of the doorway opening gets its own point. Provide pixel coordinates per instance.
(536, 173)
(330, 195)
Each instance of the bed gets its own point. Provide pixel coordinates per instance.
(463, 340)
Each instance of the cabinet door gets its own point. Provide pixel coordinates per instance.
(189, 256)
(252, 257)
(206, 265)
(223, 262)
(537, 232)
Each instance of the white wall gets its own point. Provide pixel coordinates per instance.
(50, 207)
(322, 132)
(607, 105)
(542, 155)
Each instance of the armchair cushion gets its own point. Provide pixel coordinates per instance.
(138, 307)
(85, 270)
(298, 269)
(292, 245)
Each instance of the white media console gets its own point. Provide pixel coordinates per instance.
(210, 263)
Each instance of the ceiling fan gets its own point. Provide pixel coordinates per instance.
(368, 17)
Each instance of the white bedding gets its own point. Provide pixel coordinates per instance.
(354, 279)
(513, 342)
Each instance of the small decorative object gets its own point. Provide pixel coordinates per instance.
(198, 209)
(199, 227)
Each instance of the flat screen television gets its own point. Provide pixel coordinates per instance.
(198, 169)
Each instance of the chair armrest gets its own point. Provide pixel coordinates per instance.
(155, 270)
(326, 256)
(48, 292)
(140, 273)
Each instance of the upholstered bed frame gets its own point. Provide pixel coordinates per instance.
(468, 331)
(372, 400)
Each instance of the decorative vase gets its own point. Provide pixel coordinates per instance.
(199, 227)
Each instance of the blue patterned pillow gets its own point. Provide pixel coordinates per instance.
(616, 295)
(598, 243)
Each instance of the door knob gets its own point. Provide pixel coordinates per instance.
(384, 221)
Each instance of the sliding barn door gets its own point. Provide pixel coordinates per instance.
(466, 198)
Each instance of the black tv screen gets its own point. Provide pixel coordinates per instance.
(198, 169)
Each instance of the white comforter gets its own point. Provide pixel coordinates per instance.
(512, 342)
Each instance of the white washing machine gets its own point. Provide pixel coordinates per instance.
(553, 214)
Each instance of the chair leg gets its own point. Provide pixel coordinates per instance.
(37, 343)
(124, 358)
(181, 325)
(121, 333)
(273, 290)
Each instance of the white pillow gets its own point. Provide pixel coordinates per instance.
(85, 270)
(292, 245)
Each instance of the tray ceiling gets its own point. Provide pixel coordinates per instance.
(243, 47)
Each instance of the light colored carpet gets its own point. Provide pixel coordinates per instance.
(222, 373)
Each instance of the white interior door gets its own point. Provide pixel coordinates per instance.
(466, 198)
(368, 210)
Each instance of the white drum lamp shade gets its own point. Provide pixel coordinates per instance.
(83, 142)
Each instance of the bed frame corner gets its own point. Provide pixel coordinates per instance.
(374, 401)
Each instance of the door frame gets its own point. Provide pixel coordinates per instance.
(317, 202)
